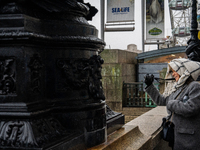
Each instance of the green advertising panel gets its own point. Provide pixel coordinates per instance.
(155, 19)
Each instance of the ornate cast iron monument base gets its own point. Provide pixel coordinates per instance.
(114, 120)
(50, 90)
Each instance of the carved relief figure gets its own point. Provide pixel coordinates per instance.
(82, 74)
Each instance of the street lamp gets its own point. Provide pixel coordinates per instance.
(193, 48)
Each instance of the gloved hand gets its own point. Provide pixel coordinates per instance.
(148, 79)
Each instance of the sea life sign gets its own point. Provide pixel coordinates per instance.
(155, 19)
(120, 11)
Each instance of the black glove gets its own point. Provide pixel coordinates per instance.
(148, 79)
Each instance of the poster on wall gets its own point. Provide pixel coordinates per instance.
(155, 20)
(120, 11)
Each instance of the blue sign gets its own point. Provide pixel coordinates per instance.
(122, 9)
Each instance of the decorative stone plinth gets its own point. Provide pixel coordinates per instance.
(128, 137)
(142, 133)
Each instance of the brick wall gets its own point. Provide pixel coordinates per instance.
(119, 66)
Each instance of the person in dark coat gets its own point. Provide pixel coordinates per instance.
(182, 98)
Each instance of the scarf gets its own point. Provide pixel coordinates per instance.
(185, 68)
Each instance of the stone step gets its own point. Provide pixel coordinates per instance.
(129, 137)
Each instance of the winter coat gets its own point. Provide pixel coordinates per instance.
(186, 117)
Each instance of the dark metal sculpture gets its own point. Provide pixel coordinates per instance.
(51, 93)
(193, 48)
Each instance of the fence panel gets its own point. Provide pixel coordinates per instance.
(134, 96)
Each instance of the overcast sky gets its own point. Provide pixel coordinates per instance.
(120, 40)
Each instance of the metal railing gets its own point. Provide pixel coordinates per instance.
(134, 96)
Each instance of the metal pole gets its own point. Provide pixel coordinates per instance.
(172, 25)
(102, 4)
(194, 24)
(142, 9)
(193, 50)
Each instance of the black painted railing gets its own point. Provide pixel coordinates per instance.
(134, 95)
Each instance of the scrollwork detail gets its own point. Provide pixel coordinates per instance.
(35, 66)
(7, 76)
(30, 133)
(17, 133)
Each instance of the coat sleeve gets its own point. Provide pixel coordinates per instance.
(155, 95)
(189, 108)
